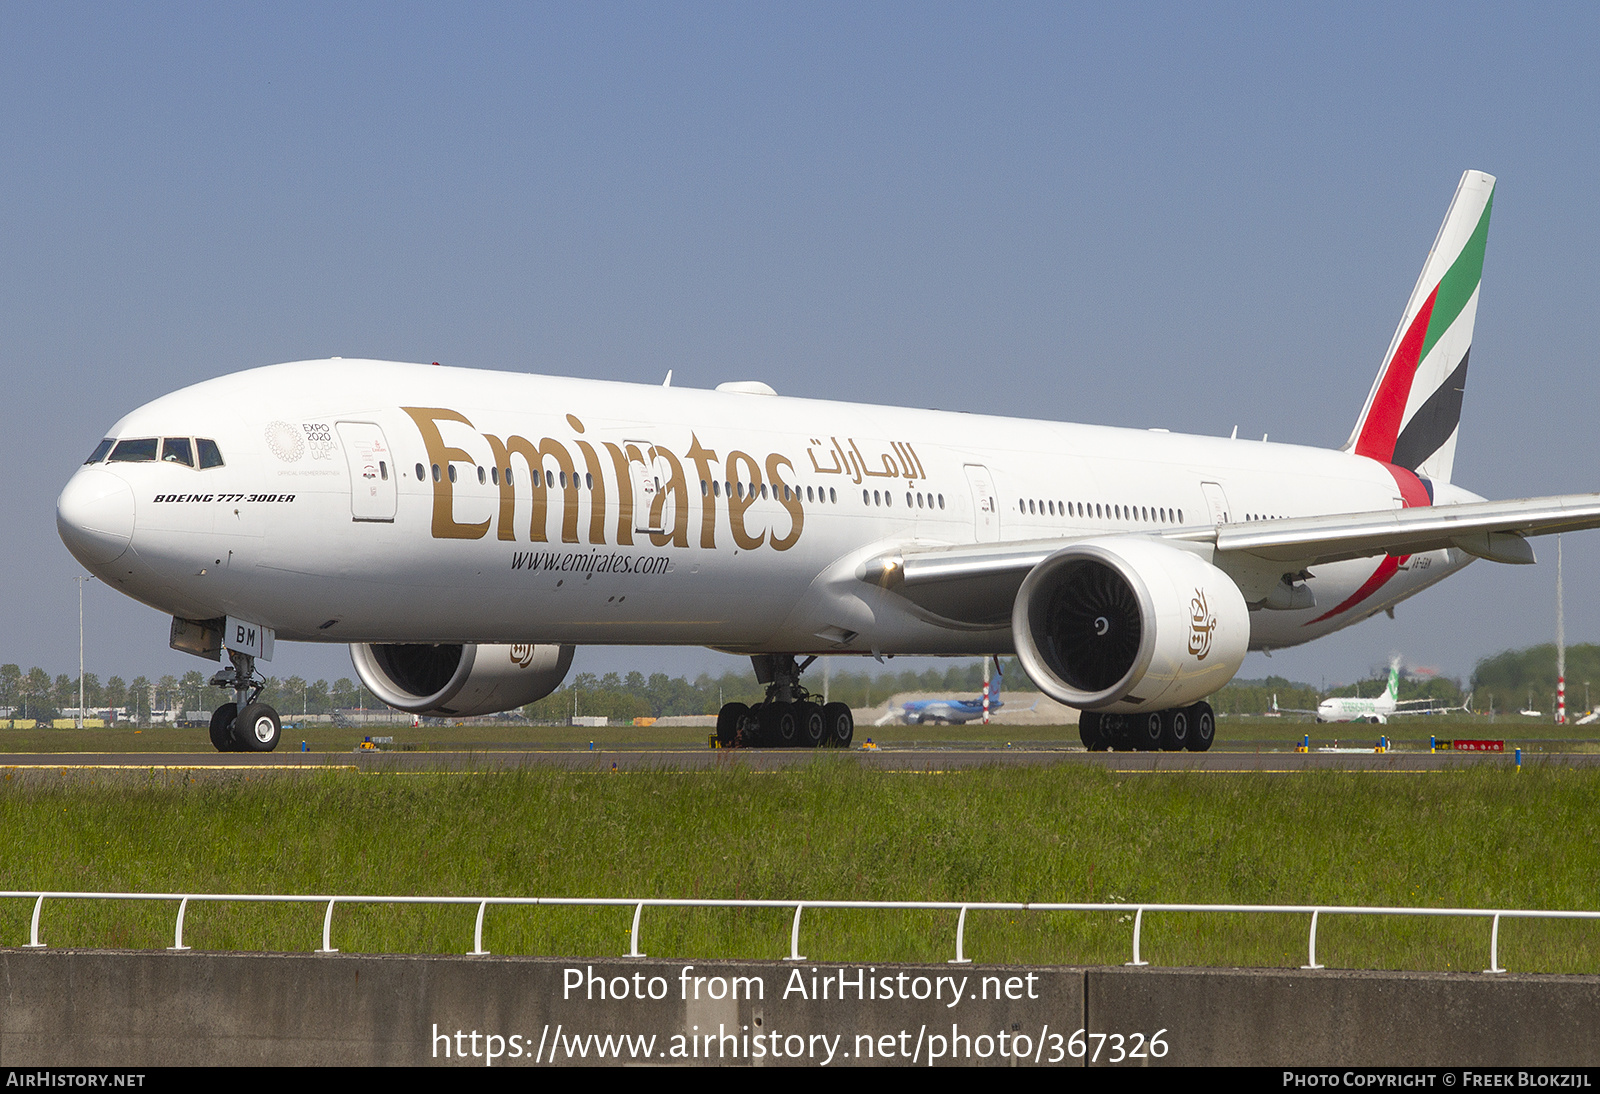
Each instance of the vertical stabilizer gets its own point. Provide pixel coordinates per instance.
(1412, 416)
(1394, 681)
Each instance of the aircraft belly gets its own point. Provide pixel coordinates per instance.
(1348, 592)
(486, 591)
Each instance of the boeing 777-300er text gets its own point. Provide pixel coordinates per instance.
(463, 530)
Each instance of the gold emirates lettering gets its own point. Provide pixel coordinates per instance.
(1202, 624)
(530, 472)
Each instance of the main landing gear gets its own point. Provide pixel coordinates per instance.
(1192, 727)
(789, 717)
(243, 725)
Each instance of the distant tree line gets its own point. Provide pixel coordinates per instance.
(34, 694)
(1502, 682)
(1510, 679)
(620, 697)
(623, 697)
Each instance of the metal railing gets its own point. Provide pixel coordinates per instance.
(1315, 911)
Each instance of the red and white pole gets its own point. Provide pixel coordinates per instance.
(986, 691)
(1561, 644)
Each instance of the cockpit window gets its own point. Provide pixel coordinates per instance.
(100, 451)
(210, 454)
(177, 450)
(142, 450)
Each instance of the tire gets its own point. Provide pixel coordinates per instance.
(257, 729)
(1147, 731)
(813, 726)
(728, 719)
(781, 724)
(1174, 729)
(1202, 727)
(841, 724)
(747, 730)
(1089, 731)
(222, 727)
(1114, 732)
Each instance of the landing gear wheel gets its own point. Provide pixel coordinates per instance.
(1174, 729)
(780, 725)
(1089, 731)
(256, 729)
(222, 728)
(1202, 727)
(1147, 731)
(813, 726)
(841, 724)
(1116, 732)
(728, 719)
(748, 729)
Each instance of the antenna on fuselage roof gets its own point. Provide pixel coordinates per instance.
(668, 381)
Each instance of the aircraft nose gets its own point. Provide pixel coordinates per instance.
(94, 516)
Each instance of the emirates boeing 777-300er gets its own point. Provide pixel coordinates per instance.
(464, 530)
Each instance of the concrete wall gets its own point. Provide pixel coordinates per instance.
(98, 1008)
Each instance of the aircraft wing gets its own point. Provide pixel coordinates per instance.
(1488, 529)
(975, 584)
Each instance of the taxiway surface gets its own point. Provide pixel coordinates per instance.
(757, 759)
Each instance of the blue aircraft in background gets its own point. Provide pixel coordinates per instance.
(952, 711)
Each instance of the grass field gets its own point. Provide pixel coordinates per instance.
(829, 830)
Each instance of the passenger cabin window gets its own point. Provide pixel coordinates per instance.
(142, 450)
(177, 450)
(210, 454)
(100, 451)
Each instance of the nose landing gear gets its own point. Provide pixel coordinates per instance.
(243, 725)
(790, 716)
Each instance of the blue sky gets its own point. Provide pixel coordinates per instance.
(1188, 216)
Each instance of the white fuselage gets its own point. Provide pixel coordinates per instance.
(1345, 709)
(318, 524)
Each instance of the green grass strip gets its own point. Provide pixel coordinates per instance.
(830, 830)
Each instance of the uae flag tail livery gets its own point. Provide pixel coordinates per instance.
(1412, 416)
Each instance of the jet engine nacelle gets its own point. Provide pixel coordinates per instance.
(1126, 625)
(459, 680)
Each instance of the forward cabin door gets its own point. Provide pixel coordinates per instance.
(372, 471)
(647, 483)
(985, 504)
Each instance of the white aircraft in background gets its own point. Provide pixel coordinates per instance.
(463, 530)
(1376, 710)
